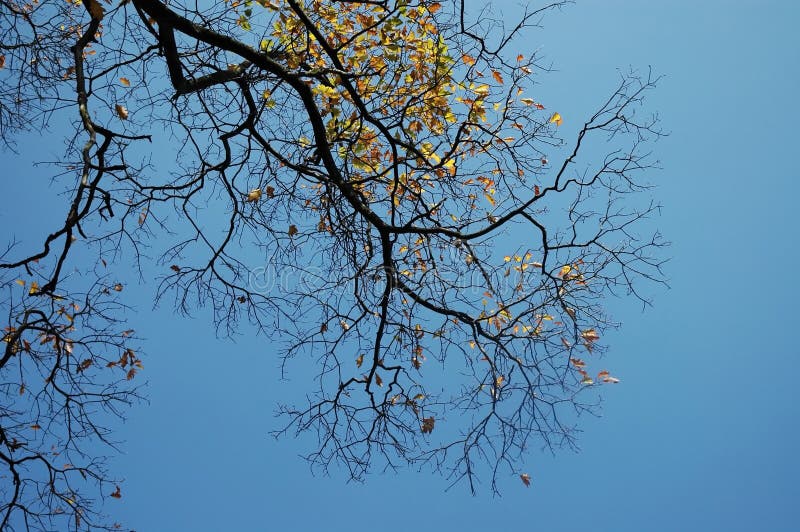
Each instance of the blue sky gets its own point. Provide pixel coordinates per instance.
(702, 433)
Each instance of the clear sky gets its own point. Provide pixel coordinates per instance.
(703, 431)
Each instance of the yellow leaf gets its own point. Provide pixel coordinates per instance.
(254, 195)
(125, 82)
(20, 282)
(34, 288)
(565, 270)
(122, 112)
(556, 119)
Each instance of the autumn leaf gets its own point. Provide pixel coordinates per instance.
(83, 366)
(254, 195)
(497, 76)
(527, 101)
(587, 380)
(118, 287)
(143, 216)
(378, 380)
(175, 268)
(131, 373)
(556, 119)
(292, 230)
(590, 335)
(427, 424)
(34, 288)
(22, 389)
(434, 7)
(2, 61)
(564, 270)
(36, 426)
(122, 112)
(117, 494)
(360, 360)
(125, 82)
(468, 59)
(526, 479)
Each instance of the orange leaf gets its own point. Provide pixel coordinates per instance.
(122, 112)
(526, 479)
(434, 7)
(118, 287)
(125, 82)
(378, 380)
(556, 119)
(539, 106)
(497, 77)
(36, 426)
(468, 59)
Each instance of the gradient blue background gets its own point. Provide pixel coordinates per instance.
(702, 433)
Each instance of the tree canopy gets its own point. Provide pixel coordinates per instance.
(373, 185)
